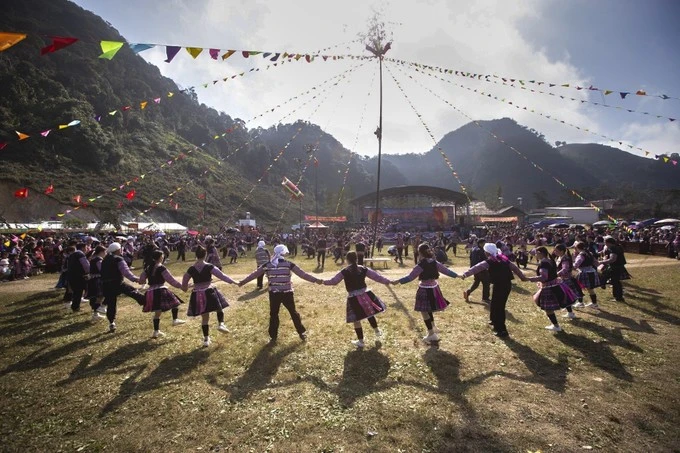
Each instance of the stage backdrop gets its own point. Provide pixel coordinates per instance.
(438, 216)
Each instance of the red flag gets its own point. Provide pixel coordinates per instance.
(201, 196)
(2, 145)
(49, 189)
(130, 195)
(21, 193)
(58, 42)
(316, 162)
(77, 198)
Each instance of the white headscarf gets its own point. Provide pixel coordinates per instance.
(279, 251)
(491, 249)
(260, 245)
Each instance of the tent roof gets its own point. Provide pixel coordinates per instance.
(317, 225)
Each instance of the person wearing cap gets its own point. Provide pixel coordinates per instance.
(500, 275)
(262, 257)
(278, 272)
(477, 255)
(429, 297)
(114, 271)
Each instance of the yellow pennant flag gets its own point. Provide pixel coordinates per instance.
(23, 236)
(606, 92)
(665, 159)
(110, 48)
(142, 105)
(170, 94)
(7, 40)
(63, 126)
(228, 54)
(194, 51)
(21, 135)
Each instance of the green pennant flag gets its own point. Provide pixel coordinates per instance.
(110, 49)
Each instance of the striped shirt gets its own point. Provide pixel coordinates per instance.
(279, 276)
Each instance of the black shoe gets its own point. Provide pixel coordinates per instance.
(502, 334)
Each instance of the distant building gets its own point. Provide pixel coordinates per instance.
(579, 214)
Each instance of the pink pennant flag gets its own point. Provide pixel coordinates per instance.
(2, 145)
(46, 133)
(214, 53)
(157, 100)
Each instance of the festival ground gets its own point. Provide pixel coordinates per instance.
(609, 382)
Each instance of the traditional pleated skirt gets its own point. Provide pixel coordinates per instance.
(430, 299)
(554, 297)
(588, 278)
(95, 288)
(574, 286)
(364, 305)
(206, 301)
(160, 299)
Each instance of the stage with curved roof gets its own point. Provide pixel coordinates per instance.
(436, 193)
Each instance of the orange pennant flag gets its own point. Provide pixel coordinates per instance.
(22, 136)
(641, 93)
(228, 54)
(7, 40)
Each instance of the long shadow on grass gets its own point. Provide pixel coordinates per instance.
(169, 371)
(598, 354)
(35, 303)
(544, 371)
(630, 324)
(613, 336)
(258, 375)
(45, 358)
(399, 305)
(254, 294)
(68, 329)
(659, 311)
(110, 362)
(364, 372)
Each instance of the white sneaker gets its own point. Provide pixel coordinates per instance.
(112, 327)
(157, 334)
(553, 328)
(206, 342)
(593, 306)
(358, 343)
(178, 322)
(101, 309)
(67, 305)
(570, 315)
(378, 334)
(431, 337)
(97, 316)
(578, 305)
(222, 328)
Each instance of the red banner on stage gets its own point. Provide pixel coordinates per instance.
(313, 218)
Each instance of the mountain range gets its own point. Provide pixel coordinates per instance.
(169, 155)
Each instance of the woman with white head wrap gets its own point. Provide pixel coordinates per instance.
(500, 272)
(278, 272)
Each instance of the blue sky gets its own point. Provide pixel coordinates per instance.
(612, 44)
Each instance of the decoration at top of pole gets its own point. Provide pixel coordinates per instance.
(377, 39)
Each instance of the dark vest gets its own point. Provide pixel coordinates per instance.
(94, 273)
(499, 272)
(354, 280)
(110, 272)
(618, 251)
(430, 271)
(75, 269)
(201, 277)
(157, 277)
(550, 267)
(587, 259)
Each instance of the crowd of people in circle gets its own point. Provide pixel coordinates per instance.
(93, 269)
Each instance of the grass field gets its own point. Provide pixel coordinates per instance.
(609, 382)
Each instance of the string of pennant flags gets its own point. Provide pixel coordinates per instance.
(508, 145)
(354, 145)
(429, 132)
(472, 75)
(582, 101)
(295, 135)
(111, 48)
(647, 153)
(311, 156)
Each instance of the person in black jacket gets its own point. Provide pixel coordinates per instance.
(78, 273)
(615, 258)
(114, 271)
(477, 255)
